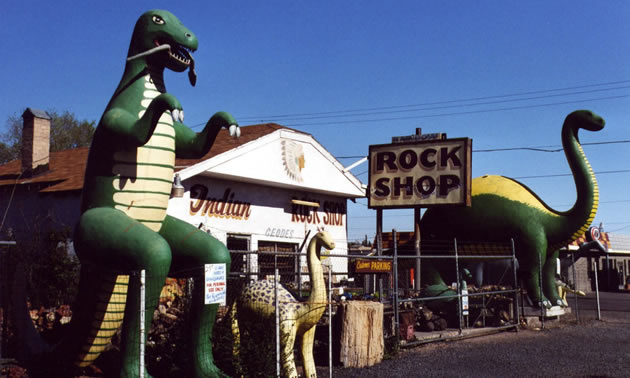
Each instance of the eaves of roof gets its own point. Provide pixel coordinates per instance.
(66, 168)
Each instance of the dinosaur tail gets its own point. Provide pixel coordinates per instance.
(236, 332)
(97, 317)
(30, 345)
(104, 316)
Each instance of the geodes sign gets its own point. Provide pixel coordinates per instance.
(420, 174)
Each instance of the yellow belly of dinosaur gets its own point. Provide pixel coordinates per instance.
(145, 176)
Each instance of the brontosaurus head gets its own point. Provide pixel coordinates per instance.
(585, 119)
(325, 240)
(163, 42)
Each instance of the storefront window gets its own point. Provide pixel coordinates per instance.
(236, 244)
(287, 265)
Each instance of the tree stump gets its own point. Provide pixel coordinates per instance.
(362, 342)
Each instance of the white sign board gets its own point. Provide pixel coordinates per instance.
(420, 174)
(215, 284)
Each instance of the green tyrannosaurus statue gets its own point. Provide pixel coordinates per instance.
(503, 208)
(123, 226)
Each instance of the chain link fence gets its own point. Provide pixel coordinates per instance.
(271, 291)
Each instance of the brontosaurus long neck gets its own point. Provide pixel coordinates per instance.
(581, 215)
(316, 274)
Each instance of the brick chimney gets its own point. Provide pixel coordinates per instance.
(35, 140)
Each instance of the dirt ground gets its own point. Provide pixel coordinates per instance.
(565, 347)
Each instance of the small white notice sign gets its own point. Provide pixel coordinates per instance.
(215, 289)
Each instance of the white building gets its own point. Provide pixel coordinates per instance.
(266, 190)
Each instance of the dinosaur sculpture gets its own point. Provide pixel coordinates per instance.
(503, 208)
(296, 318)
(123, 225)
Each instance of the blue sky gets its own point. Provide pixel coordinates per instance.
(263, 59)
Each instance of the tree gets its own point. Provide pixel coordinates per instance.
(66, 132)
(5, 153)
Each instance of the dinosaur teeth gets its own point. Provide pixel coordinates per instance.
(177, 55)
(181, 54)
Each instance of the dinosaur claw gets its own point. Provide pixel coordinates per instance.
(181, 116)
(175, 115)
(235, 131)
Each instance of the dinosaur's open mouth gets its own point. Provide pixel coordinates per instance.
(178, 52)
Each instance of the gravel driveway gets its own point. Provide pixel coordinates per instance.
(564, 348)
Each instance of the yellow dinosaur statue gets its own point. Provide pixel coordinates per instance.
(296, 318)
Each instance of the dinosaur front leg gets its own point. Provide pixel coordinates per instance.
(288, 333)
(190, 144)
(550, 287)
(307, 353)
(533, 253)
(192, 248)
(127, 128)
(108, 238)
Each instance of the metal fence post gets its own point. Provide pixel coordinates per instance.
(142, 320)
(516, 314)
(596, 271)
(330, 320)
(395, 299)
(540, 287)
(275, 285)
(459, 286)
(575, 288)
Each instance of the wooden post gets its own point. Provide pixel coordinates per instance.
(416, 232)
(379, 247)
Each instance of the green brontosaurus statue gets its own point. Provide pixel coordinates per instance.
(503, 208)
(123, 226)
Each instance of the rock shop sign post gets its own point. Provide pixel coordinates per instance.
(418, 171)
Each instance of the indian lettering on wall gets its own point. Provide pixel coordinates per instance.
(228, 206)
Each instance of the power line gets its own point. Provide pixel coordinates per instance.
(436, 115)
(551, 148)
(547, 148)
(459, 103)
(549, 175)
(298, 118)
(385, 215)
(314, 114)
(570, 174)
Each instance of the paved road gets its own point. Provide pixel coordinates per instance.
(565, 348)
(612, 305)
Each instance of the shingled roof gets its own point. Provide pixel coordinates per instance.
(67, 168)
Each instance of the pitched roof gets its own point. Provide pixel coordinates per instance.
(36, 112)
(67, 168)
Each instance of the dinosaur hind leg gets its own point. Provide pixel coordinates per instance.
(307, 353)
(192, 248)
(288, 333)
(108, 238)
(549, 279)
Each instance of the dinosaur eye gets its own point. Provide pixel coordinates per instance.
(158, 20)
